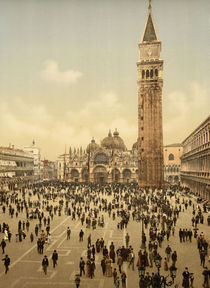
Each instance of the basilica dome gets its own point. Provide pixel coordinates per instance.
(118, 141)
(108, 142)
(113, 142)
(92, 146)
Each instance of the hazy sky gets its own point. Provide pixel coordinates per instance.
(68, 69)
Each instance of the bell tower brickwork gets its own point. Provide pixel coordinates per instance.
(150, 131)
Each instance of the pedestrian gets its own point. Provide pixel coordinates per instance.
(32, 237)
(77, 281)
(114, 274)
(119, 262)
(82, 266)
(55, 258)
(165, 265)
(127, 239)
(81, 235)
(45, 264)
(92, 268)
(186, 278)
(206, 274)
(123, 278)
(103, 265)
(117, 282)
(68, 232)
(168, 252)
(3, 245)
(6, 263)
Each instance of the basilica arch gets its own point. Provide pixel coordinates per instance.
(75, 175)
(126, 175)
(100, 174)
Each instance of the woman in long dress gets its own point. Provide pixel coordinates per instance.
(88, 263)
(108, 272)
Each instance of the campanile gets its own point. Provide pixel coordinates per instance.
(150, 131)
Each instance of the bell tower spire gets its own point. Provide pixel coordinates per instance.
(150, 134)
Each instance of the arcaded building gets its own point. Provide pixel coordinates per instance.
(195, 161)
(16, 168)
(150, 131)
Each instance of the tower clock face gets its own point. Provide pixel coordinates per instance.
(149, 52)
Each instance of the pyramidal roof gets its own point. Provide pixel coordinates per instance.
(150, 33)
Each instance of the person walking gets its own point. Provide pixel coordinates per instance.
(123, 278)
(45, 264)
(117, 282)
(103, 265)
(168, 252)
(186, 278)
(55, 258)
(127, 239)
(82, 266)
(77, 281)
(81, 235)
(68, 232)
(119, 262)
(6, 263)
(3, 245)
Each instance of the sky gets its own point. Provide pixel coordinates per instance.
(68, 70)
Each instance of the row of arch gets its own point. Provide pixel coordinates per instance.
(152, 73)
(100, 174)
(172, 169)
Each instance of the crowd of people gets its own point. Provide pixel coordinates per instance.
(157, 209)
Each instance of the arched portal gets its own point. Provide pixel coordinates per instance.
(126, 175)
(100, 174)
(75, 175)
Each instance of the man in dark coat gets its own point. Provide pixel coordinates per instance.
(103, 265)
(82, 266)
(45, 264)
(3, 245)
(55, 258)
(186, 278)
(6, 263)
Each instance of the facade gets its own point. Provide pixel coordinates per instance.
(105, 163)
(172, 163)
(16, 168)
(35, 151)
(150, 132)
(195, 161)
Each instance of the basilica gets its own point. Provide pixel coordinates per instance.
(108, 162)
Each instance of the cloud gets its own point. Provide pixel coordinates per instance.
(52, 73)
(22, 122)
(184, 111)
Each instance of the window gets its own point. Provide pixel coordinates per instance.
(171, 157)
(142, 74)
